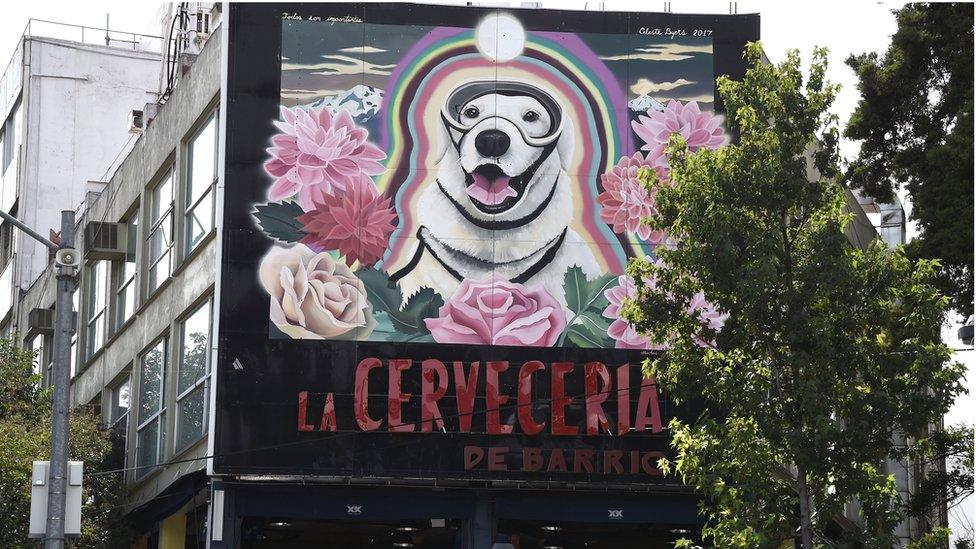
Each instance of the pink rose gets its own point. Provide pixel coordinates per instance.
(499, 313)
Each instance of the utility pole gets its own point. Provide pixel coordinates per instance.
(66, 263)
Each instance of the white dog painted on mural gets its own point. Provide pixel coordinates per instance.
(501, 205)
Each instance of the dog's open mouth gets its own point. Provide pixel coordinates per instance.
(492, 190)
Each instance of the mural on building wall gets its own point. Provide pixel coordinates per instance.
(472, 185)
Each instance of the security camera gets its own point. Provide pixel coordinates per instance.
(67, 257)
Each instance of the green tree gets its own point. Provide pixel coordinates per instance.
(947, 461)
(25, 412)
(828, 350)
(915, 124)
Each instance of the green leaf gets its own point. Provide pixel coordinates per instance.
(582, 294)
(279, 220)
(423, 304)
(386, 298)
(590, 330)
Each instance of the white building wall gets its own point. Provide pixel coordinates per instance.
(78, 99)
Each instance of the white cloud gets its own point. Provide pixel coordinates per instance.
(363, 49)
(293, 93)
(663, 52)
(703, 98)
(341, 64)
(645, 86)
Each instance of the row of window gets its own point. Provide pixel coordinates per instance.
(152, 377)
(192, 379)
(119, 280)
(170, 378)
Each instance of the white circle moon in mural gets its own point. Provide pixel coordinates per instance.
(500, 37)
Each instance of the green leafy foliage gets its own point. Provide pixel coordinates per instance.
(25, 412)
(828, 350)
(407, 320)
(585, 298)
(915, 125)
(279, 220)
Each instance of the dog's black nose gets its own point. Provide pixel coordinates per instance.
(492, 143)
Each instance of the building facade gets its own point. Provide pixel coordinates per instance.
(66, 106)
(279, 302)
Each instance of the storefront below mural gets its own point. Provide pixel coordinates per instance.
(275, 533)
(281, 533)
(580, 535)
(277, 515)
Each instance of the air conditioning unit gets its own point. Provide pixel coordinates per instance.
(136, 121)
(106, 240)
(40, 321)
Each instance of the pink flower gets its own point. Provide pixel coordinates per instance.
(620, 330)
(626, 201)
(699, 129)
(627, 337)
(707, 313)
(358, 223)
(317, 154)
(499, 313)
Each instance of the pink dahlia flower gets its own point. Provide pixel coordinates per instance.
(317, 154)
(499, 313)
(627, 337)
(620, 330)
(626, 201)
(700, 130)
(708, 314)
(357, 223)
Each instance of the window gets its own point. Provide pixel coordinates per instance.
(119, 407)
(151, 432)
(8, 136)
(48, 359)
(74, 335)
(191, 390)
(125, 270)
(6, 243)
(201, 174)
(37, 346)
(96, 289)
(161, 232)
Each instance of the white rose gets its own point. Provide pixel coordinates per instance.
(313, 296)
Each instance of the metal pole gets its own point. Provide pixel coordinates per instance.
(66, 267)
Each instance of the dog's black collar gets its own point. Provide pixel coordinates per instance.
(547, 257)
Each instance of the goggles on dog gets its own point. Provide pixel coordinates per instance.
(463, 94)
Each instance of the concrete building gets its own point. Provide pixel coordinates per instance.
(147, 347)
(66, 107)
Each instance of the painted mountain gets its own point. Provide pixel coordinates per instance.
(362, 102)
(644, 103)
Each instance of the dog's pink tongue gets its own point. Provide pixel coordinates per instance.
(490, 192)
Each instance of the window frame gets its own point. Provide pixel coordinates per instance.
(76, 310)
(91, 316)
(121, 283)
(158, 416)
(8, 138)
(166, 212)
(37, 344)
(201, 383)
(190, 206)
(114, 420)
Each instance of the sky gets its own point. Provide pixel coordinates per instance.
(849, 27)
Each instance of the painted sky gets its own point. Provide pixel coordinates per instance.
(320, 59)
